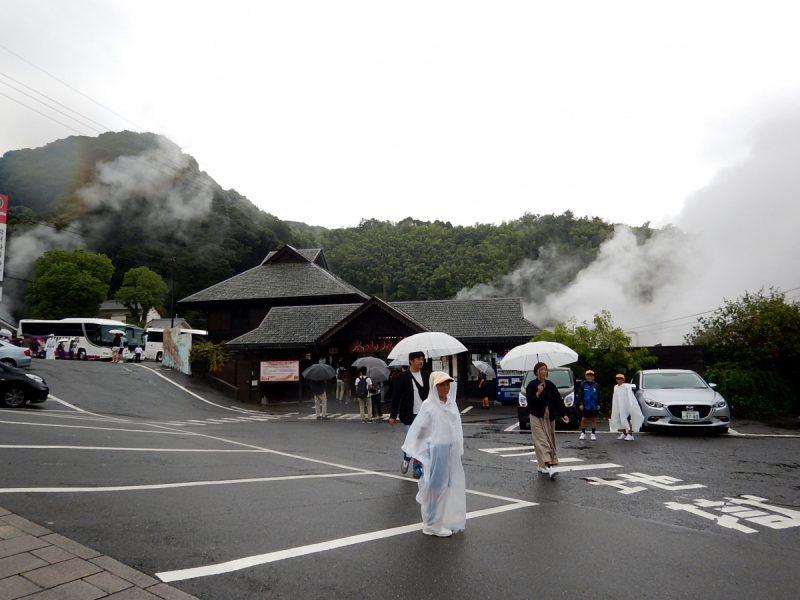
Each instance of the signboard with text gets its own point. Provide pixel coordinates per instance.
(280, 370)
(372, 345)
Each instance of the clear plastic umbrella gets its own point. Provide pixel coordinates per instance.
(431, 343)
(369, 362)
(378, 374)
(484, 368)
(524, 357)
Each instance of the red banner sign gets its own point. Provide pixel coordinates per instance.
(371, 346)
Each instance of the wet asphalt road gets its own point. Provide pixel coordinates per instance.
(124, 466)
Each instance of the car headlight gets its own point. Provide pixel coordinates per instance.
(569, 400)
(34, 377)
(653, 403)
(719, 404)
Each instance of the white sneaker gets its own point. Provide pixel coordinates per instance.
(629, 438)
(443, 532)
(621, 436)
(543, 470)
(593, 438)
(551, 470)
(582, 437)
(404, 467)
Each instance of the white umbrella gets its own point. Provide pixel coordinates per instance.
(369, 362)
(432, 343)
(5, 333)
(525, 357)
(484, 368)
(397, 363)
(115, 331)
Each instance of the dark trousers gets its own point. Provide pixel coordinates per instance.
(377, 409)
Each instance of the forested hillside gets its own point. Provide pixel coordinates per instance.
(136, 198)
(141, 201)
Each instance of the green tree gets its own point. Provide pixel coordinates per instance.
(753, 349)
(601, 347)
(69, 284)
(141, 290)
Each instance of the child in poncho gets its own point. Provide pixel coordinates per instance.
(626, 415)
(437, 441)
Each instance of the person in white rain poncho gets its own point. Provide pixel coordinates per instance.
(50, 347)
(626, 415)
(437, 441)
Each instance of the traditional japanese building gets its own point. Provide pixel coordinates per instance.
(292, 311)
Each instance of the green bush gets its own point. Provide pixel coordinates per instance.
(752, 393)
(212, 356)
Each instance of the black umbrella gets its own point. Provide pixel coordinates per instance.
(319, 372)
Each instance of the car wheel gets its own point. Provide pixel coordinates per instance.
(82, 354)
(14, 396)
(159, 356)
(8, 362)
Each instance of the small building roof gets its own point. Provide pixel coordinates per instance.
(469, 321)
(284, 274)
(293, 326)
(472, 321)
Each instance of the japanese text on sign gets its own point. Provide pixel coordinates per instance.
(371, 345)
(280, 370)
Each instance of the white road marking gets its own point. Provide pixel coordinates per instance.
(260, 559)
(513, 427)
(42, 447)
(508, 449)
(98, 428)
(75, 408)
(586, 467)
(466, 410)
(164, 486)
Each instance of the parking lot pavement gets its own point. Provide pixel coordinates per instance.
(37, 564)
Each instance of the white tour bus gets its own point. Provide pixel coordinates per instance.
(94, 336)
(154, 346)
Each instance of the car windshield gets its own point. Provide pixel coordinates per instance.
(673, 381)
(562, 379)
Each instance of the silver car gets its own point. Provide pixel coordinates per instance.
(14, 356)
(679, 398)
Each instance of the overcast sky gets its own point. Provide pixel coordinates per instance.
(330, 111)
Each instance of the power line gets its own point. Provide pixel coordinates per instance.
(698, 314)
(55, 101)
(41, 113)
(70, 87)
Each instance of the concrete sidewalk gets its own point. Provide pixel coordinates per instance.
(37, 564)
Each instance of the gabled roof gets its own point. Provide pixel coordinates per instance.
(369, 304)
(290, 254)
(472, 320)
(293, 326)
(278, 280)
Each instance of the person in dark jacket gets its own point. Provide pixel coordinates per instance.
(545, 405)
(589, 403)
(409, 390)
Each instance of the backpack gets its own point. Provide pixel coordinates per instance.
(361, 387)
(340, 374)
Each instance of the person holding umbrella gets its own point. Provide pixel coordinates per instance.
(545, 405)
(410, 389)
(317, 375)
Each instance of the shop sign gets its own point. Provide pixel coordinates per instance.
(280, 370)
(371, 346)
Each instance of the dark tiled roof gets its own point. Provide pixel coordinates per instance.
(282, 280)
(291, 326)
(310, 253)
(472, 320)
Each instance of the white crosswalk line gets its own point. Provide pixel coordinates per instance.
(587, 467)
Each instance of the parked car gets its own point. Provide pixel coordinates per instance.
(565, 382)
(18, 387)
(679, 398)
(14, 356)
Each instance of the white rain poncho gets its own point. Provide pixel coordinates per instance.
(50, 348)
(624, 404)
(437, 441)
